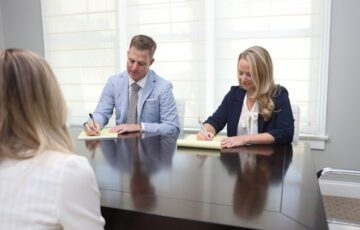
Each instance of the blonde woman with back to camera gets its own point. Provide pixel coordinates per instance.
(43, 185)
(257, 111)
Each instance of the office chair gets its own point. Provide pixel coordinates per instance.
(322, 172)
(296, 114)
(344, 219)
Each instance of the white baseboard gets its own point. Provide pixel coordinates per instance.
(340, 188)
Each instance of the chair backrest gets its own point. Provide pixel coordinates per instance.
(180, 106)
(296, 114)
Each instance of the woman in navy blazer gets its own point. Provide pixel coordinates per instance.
(258, 111)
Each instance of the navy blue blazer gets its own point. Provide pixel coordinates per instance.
(280, 125)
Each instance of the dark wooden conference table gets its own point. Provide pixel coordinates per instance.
(148, 182)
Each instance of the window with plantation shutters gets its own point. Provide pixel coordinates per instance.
(198, 45)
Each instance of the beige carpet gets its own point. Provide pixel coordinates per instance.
(342, 209)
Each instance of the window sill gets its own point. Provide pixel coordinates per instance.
(315, 142)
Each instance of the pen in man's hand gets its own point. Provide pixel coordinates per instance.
(93, 123)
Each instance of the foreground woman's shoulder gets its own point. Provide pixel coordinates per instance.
(68, 160)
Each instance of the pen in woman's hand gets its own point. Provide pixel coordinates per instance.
(203, 129)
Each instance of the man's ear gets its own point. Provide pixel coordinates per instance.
(152, 61)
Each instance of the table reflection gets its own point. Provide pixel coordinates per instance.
(255, 167)
(139, 156)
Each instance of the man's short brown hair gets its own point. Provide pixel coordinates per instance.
(143, 42)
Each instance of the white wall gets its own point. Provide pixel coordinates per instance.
(343, 110)
(2, 39)
(22, 25)
(23, 28)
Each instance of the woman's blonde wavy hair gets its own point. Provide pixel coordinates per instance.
(33, 110)
(261, 71)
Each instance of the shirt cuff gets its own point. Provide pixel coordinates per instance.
(142, 127)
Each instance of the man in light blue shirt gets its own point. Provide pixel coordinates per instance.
(155, 110)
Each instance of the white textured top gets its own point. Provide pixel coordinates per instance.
(52, 190)
(248, 122)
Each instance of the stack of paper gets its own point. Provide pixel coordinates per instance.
(191, 141)
(104, 134)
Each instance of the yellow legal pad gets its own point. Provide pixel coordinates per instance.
(104, 134)
(191, 141)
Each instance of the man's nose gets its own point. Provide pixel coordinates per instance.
(134, 66)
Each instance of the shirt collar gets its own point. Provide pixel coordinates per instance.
(141, 82)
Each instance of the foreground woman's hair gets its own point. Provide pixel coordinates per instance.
(33, 111)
